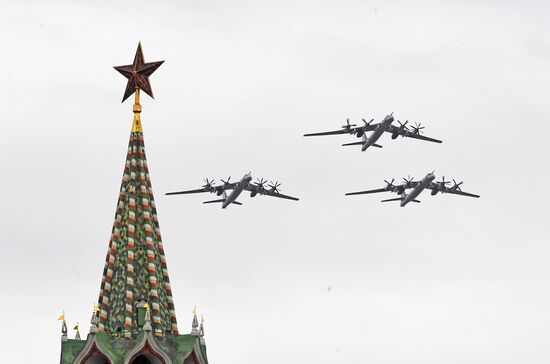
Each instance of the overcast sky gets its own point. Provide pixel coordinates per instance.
(330, 279)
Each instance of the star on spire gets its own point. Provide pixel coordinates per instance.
(138, 74)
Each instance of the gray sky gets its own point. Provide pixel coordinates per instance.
(331, 279)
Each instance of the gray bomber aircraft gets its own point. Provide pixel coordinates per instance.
(236, 189)
(416, 188)
(378, 130)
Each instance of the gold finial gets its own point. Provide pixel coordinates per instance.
(136, 127)
(202, 320)
(146, 306)
(195, 310)
(96, 308)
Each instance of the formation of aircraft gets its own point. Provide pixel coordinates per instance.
(378, 129)
(236, 188)
(416, 188)
(407, 191)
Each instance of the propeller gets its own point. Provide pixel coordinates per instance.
(209, 184)
(408, 181)
(225, 183)
(367, 123)
(417, 128)
(457, 185)
(404, 125)
(274, 187)
(443, 182)
(260, 183)
(390, 185)
(348, 125)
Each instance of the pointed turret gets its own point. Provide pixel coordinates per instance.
(201, 331)
(64, 336)
(195, 323)
(94, 321)
(77, 335)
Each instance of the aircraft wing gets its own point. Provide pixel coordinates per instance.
(461, 193)
(367, 192)
(409, 134)
(200, 190)
(262, 191)
(212, 189)
(334, 132)
(452, 191)
(253, 187)
(278, 194)
(422, 137)
(354, 130)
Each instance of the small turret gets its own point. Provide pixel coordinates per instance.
(77, 335)
(195, 324)
(147, 326)
(201, 330)
(94, 321)
(63, 327)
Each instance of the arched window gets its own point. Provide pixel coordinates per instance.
(94, 356)
(96, 359)
(147, 358)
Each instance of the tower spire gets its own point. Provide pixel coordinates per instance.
(135, 265)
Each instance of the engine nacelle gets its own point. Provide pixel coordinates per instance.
(434, 192)
(394, 135)
(253, 193)
(219, 192)
(360, 133)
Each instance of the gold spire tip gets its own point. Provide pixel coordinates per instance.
(136, 127)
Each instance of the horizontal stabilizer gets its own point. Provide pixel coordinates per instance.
(416, 201)
(223, 200)
(377, 145)
(214, 201)
(354, 143)
(392, 199)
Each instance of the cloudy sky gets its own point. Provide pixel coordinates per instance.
(330, 279)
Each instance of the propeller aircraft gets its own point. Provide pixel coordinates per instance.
(236, 188)
(378, 129)
(416, 188)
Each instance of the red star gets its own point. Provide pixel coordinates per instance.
(138, 74)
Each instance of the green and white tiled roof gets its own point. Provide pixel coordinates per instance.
(135, 265)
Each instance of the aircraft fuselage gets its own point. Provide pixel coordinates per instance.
(237, 190)
(417, 190)
(378, 132)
